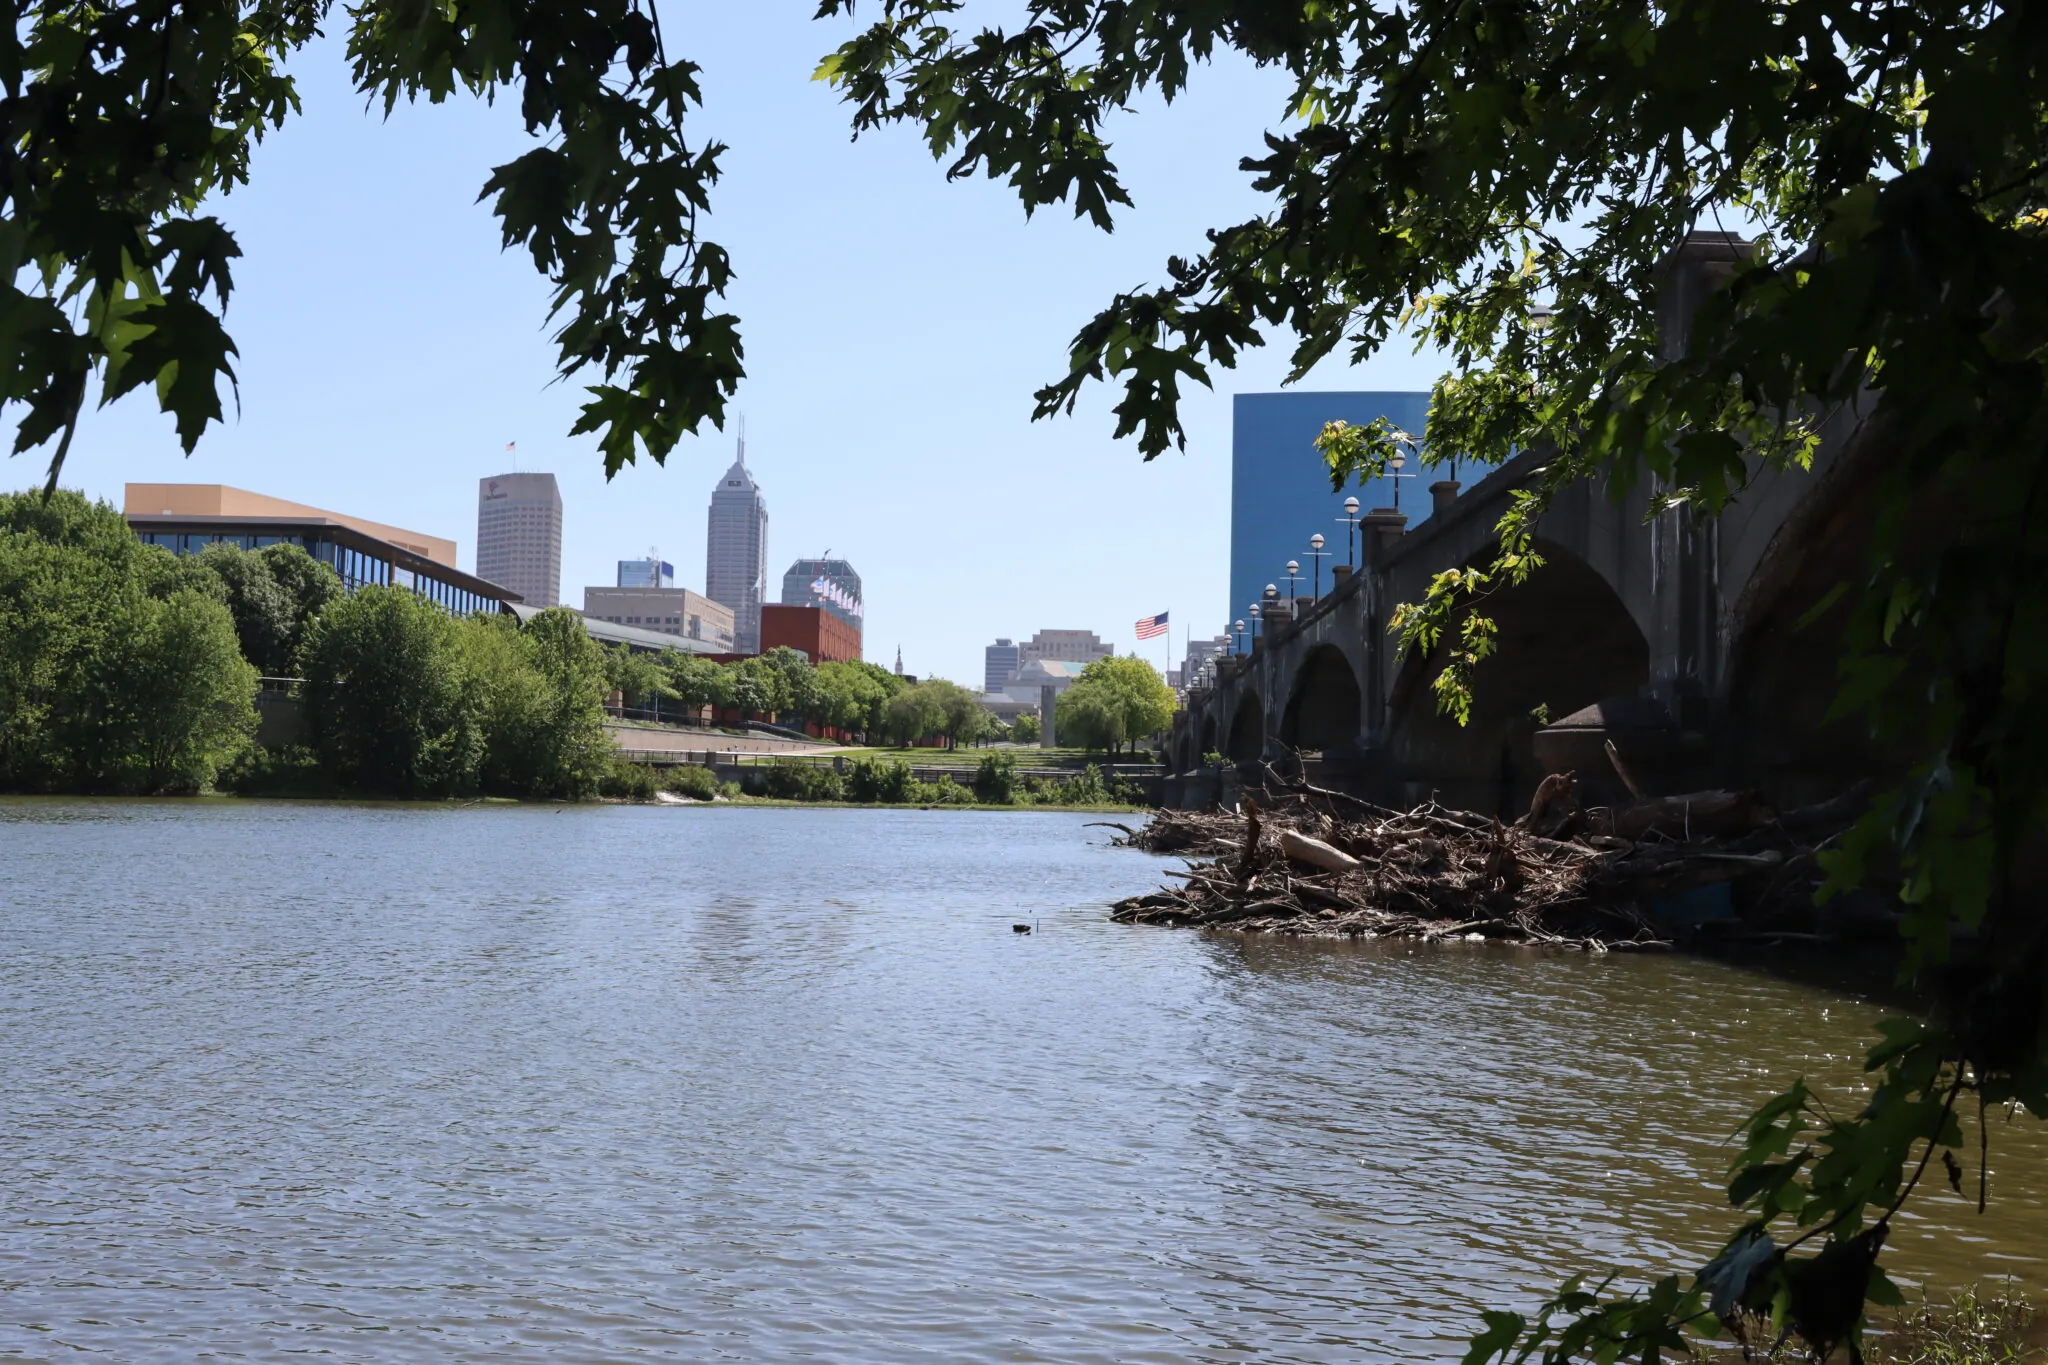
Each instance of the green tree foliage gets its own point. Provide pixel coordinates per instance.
(388, 707)
(119, 668)
(124, 119)
(273, 593)
(756, 686)
(851, 696)
(694, 680)
(642, 679)
(883, 781)
(935, 709)
(177, 695)
(1024, 729)
(789, 779)
(540, 694)
(1115, 700)
(995, 779)
(309, 584)
(404, 699)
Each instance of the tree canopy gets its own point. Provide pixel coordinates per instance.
(1116, 700)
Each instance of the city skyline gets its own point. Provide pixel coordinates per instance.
(860, 451)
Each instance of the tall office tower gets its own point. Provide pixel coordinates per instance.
(651, 572)
(519, 536)
(825, 582)
(736, 552)
(999, 663)
(1280, 490)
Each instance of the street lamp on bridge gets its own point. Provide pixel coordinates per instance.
(1350, 520)
(1317, 553)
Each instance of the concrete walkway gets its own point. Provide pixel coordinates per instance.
(681, 739)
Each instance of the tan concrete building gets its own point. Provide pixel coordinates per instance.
(671, 611)
(1067, 646)
(519, 535)
(186, 518)
(219, 500)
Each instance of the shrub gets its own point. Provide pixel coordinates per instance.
(879, 780)
(1128, 791)
(944, 792)
(1084, 790)
(728, 791)
(788, 779)
(293, 770)
(995, 780)
(691, 780)
(629, 781)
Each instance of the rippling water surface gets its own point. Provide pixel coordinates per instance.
(608, 1084)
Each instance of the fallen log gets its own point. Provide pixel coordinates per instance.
(1302, 849)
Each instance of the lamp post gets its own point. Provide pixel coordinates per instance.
(1350, 520)
(1254, 614)
(1237, 629)
(1293, 577)
(1317, 553)
(1400, 458)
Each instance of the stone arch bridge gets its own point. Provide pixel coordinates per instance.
(1676, 637)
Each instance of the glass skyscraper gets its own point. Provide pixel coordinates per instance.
(839, 593)
(651, 572)
(736, 552)
(1280, 490)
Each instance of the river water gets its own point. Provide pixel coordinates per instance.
(614, 1084)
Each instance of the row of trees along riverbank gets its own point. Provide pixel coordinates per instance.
(1115, 702)
(127, 669)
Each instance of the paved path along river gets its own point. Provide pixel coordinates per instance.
(611, 1084)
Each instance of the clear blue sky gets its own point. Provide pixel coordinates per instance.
(895, 328)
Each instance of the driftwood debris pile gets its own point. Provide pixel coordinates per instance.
(1305, 860)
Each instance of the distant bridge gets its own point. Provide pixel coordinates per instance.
(1674, 636)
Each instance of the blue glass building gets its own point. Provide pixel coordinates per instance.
(1280, 490)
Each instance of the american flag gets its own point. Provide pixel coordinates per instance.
(1149, 626)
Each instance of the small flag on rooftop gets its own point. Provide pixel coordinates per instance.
(511, 445)
(1149, 626)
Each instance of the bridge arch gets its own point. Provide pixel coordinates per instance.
(1785, 642)
(1247, 729)
(1324, 710)
(1565, 640)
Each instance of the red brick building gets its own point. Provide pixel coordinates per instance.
(815, 631)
